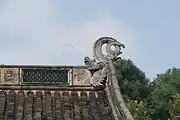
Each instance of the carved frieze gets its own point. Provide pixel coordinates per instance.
(81, 76)
(8, 75)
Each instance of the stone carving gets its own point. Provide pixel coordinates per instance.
(81, 77)
(99, 66)
(9, 75)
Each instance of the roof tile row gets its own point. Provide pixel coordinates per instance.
(58, 105)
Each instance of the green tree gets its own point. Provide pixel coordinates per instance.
(175, 107)
(163, 88)
(133, 82)
(158, 99)
(138, 110)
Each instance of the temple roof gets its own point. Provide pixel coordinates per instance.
(90, 92)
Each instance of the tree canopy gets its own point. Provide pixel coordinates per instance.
(156, 100)
(133, 82)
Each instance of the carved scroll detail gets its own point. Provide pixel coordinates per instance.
(8, 76)
(81, 77)
(99, 66)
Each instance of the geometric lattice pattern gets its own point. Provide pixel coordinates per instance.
(44, 76)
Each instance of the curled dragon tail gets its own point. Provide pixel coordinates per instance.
(111, 53)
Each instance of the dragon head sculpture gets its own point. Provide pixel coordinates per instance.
(100, 62)
(110, 52)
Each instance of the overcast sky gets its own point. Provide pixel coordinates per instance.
(39, 31)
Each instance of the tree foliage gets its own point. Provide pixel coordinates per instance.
(158, 100)
(132, 81)
(164, 87)
(175, 107)
(138, 110)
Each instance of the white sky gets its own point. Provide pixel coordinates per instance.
(32, 34)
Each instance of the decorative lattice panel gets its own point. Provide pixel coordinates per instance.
(44, 76)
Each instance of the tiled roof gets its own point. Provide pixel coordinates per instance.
(33, 92)
(54, 105)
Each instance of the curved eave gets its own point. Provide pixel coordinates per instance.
(119, 109)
